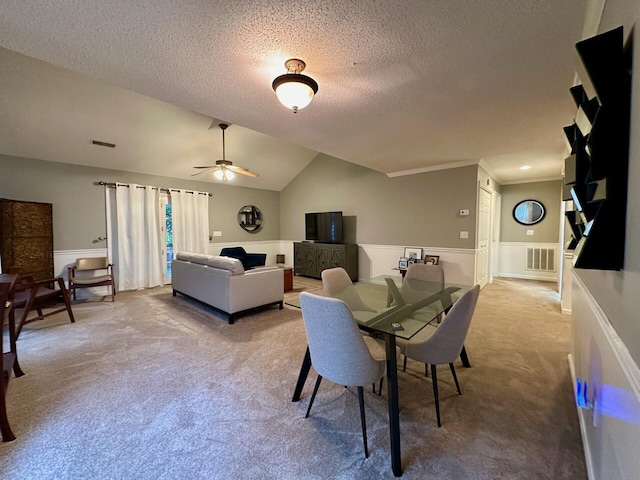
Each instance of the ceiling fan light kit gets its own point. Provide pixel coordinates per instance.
(224, 169)
(294, 90)
(224, 174)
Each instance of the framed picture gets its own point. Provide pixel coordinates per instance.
(431, 259)
(412, 253)
(403, 262)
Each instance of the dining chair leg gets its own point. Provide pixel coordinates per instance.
(313, 395)
(404, 364)
(362, 420)
(465, 358)
(455, 377)
(379, 389)
(434, 379)
(426, 369)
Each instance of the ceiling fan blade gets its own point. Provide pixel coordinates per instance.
(242, 171)
(225, 164)
(207, 169)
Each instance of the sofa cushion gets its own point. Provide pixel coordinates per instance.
(226, 263)
(191, 257)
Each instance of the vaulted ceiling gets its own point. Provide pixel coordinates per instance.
(405, 86)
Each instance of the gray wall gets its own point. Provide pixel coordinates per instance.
(547, 193)
(420, 210)
(617, 292)
(79, 206)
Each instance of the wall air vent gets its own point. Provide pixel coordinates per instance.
(103, 144)
(541, 259)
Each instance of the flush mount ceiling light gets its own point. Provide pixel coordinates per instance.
(294, 90)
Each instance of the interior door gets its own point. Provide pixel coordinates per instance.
(484, 237)
(494, 248)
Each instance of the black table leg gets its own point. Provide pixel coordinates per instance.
(394, 409)
(302, 377)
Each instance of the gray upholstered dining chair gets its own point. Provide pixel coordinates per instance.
(338, 351)
(424, 273)
(337, 284)
(445, 343)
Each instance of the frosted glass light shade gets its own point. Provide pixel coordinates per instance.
(224, 174)
(294, 95)
(294, 90)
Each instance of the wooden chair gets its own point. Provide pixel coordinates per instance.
(8, 359)
(39, 295)
(91, 266)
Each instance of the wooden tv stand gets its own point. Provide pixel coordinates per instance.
(310, 259)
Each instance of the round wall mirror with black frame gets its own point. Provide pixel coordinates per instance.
(250, 218)
(529, 212)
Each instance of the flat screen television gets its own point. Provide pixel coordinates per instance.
(323, 227)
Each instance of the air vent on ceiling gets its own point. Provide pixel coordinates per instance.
(103, 144)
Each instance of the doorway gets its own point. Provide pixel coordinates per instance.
(166, 225)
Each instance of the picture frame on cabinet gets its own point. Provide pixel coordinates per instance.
(403, 263)
(412, 253)
(431, 259)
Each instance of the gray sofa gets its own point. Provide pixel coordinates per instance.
(223, 283)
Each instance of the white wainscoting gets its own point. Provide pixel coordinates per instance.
(373, 260)
(512, 261)
(459, 264)
(611, 429)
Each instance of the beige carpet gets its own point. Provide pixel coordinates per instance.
(157, 387)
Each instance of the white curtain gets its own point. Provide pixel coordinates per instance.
(139, 237)
(190, 221)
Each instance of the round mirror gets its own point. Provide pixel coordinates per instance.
(528, 212)
(250, 218)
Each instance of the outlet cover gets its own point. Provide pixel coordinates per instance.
(464, 213)
(464, 234)
(529, 232)
(217, 233)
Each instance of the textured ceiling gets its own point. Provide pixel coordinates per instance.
(404, 85)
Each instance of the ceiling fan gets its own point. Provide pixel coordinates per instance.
(224, 169)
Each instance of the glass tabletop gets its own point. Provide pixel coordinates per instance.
(399, 307)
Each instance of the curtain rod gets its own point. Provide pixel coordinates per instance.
(113, 184)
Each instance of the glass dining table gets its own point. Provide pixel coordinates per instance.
(392, 306)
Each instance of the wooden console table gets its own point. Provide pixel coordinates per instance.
(310, 259)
